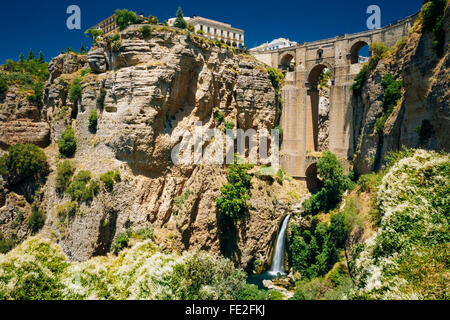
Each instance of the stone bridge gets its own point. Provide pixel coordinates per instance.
(302, 66)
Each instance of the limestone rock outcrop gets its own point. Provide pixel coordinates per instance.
(148, 92)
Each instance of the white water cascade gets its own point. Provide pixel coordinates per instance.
(277, 266)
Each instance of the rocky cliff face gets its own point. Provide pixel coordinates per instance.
(148, 92)
(421, 118)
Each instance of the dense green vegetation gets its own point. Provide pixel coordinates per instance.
(67, 144)
(109, 179)
(219, 116)
(83, 187)
(125, 18)
(407, 257)
(314, 251)
(392, 93)
(65, 171)
(93, 119)
(232, 202)
(67, 211)
(141, 272)
(23, 163)
(28, 76)
(335, 183)
(75, 90)
(146, 31)
(94, 34)
(37, 219)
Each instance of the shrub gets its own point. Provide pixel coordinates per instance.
(93, 121)
(6, 244)
(23, 162)
(120, 243)
(281, 173)
(392, 93)
(3, 87)
(280, 131)
(85, 71)
(360, 79)
(190, 28)
(67, 211)
(219, 116)
(109, 179)
(370, 182)
(276, 77)
(232, 202)
(37, 219)
(146, 31)
(37, 95)
(75, 90)
(67, 144)
(65, 171)
(82, 187)
(116, 45)
(200, 31)
(275, 295)
(228, 126)
(251, 292)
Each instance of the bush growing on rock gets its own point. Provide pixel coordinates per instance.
(125, 18)
(37, 219)
(67, 144)
(109, 179)
(75, 90)
(65, 171)
(232, 202)
(67, 211)
(93, 119)
(146, 31)
(83, 187)
(3, 87)
(23, 162)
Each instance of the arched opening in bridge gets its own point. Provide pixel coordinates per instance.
(312, 182)
(287, 62)
(360, 52)
(319, 79)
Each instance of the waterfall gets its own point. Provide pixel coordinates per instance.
(278, 257)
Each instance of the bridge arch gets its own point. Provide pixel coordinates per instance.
(356, 48)
(286, 60)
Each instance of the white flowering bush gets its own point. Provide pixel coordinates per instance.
(414, 201)
(38, 269)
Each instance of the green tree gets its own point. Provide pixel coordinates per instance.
(41, 57)
(67, 144)
(82, 49)
(21, 58)
(94, 34)
(179, 21)
(152, 20)
(37, 219)
(23, 162)
(234, 195)
(31, 55)
(125, 18)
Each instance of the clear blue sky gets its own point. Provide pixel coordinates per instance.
(41, 25)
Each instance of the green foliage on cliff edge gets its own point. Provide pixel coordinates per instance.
(28, 75)
(23, 162)
(232, 202)
(392, 93)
